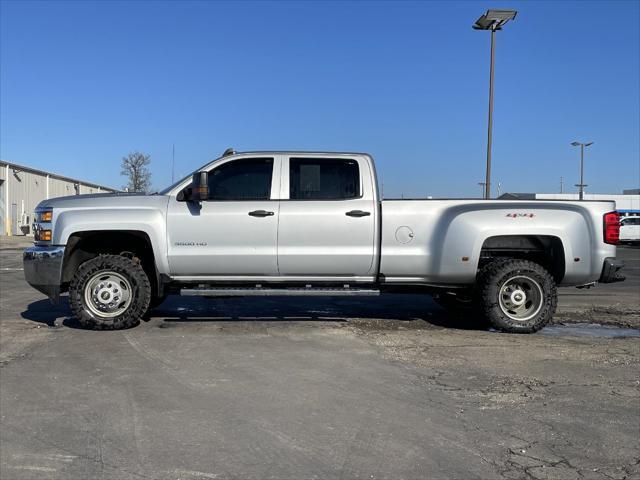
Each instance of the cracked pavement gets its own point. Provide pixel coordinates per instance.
(317, 388)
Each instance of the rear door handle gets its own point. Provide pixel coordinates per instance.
(261, 213)
(358, 213)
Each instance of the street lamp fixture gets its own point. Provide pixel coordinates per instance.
(492, 20)
(581, 185)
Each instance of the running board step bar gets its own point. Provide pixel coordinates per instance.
(273, 292)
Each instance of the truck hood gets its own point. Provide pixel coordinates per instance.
(104, 200)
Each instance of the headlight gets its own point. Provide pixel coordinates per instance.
(42, 225)
(45, 216)
(41, 235)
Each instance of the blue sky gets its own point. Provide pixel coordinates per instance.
(84, 83)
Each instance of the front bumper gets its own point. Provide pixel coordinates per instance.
(611, 270)
(43, 269)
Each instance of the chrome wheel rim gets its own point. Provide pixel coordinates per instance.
(107, 294)
(521, 298)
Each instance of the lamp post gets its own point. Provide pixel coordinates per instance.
(581, 185)
(492, 20)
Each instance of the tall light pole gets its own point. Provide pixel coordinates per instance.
(581, 185)
(492, 20)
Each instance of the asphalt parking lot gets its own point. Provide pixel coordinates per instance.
(319, 388)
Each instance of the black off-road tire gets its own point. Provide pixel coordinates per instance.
(140, 292)
(493, 276)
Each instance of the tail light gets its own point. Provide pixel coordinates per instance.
(612, 228)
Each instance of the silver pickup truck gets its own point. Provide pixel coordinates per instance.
(302, 223)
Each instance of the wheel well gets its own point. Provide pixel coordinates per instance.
(545, 250)
(83, 246)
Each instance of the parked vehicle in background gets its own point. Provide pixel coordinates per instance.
(630, 229)
(303, 223)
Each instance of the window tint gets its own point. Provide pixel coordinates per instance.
(248, 179)
(323, 179)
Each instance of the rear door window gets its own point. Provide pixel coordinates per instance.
(323, 179)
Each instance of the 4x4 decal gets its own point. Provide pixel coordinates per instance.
(518, 215)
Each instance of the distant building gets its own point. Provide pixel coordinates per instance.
(517, 196)
(626, 203)
(22, 188)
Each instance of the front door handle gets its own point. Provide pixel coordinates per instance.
(358, 213)
(261, 213)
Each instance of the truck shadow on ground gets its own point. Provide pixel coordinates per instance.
(182, 310)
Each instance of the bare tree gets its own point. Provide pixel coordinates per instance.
(134, 166)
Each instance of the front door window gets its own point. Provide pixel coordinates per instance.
(246, 179)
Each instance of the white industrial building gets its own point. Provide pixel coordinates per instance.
(627, 203)
(22, 188)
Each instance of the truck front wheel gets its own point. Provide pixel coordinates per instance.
(109, 292)
(517, 296)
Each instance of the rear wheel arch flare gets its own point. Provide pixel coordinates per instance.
(546, 250)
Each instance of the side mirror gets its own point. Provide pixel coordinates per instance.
(197, 191)
(200, 187)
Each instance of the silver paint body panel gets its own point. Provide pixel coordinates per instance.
(445, 231)
(316, 237)
(401, 242)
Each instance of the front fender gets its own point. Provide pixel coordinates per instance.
(148, 220)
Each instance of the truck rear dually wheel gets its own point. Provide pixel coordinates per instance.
(109, 292)
(517, 296)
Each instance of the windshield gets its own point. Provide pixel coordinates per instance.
(174, 185)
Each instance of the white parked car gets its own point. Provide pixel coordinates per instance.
(630, 229)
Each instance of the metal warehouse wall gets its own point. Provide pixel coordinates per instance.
(22, 188)
(26, 190)
(86, 189)
(60, 188)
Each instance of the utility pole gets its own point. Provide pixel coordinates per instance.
(483, 191)
(561, 183)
